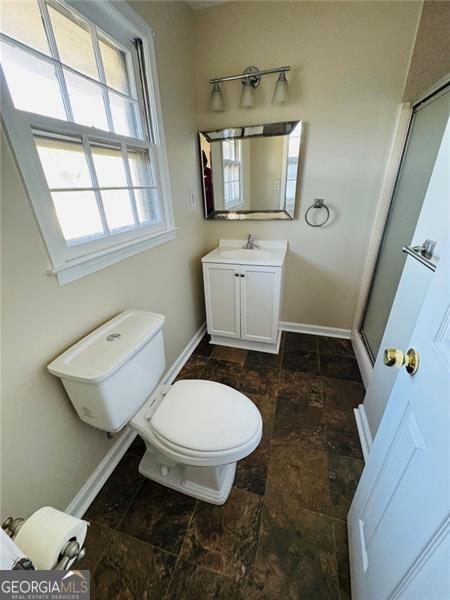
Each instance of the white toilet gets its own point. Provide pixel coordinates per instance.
(194, 430)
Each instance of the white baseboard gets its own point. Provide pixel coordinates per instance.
(103, 470)
(315, 330)
(362, 357)
(93, 485)
(362, 425)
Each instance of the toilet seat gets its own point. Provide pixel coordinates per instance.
(202, 423)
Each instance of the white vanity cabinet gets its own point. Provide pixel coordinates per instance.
(243, 297)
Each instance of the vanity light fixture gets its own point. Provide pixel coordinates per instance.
(250, 79)
(217, 103)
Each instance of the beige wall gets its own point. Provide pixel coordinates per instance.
(48, 453)
(431, 57)
(266, 155)
(349, 62)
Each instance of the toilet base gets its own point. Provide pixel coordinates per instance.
(210, 484)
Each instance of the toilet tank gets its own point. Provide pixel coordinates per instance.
(110, 373)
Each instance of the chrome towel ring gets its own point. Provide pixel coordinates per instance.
(318, 203)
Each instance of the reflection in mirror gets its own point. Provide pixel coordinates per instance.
(251, 172)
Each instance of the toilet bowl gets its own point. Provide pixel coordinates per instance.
(194, 431)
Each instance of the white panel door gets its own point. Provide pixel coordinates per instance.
(222, 284)
(260, 303)
(399, 531)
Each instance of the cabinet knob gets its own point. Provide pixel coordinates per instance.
(236, 274)
(242, 275)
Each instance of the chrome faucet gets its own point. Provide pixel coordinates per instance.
(250, 245)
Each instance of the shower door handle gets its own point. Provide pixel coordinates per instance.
(422, 253)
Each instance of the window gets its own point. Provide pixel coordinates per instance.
(293, 149)
(231, 173)
(82, 113)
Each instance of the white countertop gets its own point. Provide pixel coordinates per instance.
(269, 253)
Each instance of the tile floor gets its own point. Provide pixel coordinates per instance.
(282, 533)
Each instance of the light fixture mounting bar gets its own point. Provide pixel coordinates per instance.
(255, 74)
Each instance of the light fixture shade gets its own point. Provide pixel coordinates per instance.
(247, 95)
(217, 103)
(281, 91)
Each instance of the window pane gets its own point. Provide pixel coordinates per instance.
(86, 99)
(23, 22)
(140, 167)
(74, 42)
(118, 211)
(147, 205)
(64, 163)
(32, 83)
(123, 115)
(78, 215)
(115, 67)
(109, 167)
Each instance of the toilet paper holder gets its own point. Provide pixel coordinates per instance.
(70, 554)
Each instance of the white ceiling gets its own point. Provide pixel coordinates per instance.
(199, 4)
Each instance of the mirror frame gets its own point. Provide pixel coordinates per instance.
(245, 132)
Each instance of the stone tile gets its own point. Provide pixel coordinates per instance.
(97, 542)
(299, 426)
(127, 470)
(341, 367)
(258, 380)
(192, 582)
(300, 477)
(131, 569)
(224, 372)
(204, 347)
(295, 556)
(264, 359)
(343, 566)
(301, 360)
(344, 474)
(159, 516)
(301, 387)
(193, 368)
(224, 538)
(335, 346)
(342, 434)
(137, 447)
(300, 341)
(339, 394)
(237, 355)
(116, 495)
(266, 406)
(251, 472)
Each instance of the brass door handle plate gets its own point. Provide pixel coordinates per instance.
(398, 359)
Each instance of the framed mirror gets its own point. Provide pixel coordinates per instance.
(251, 172)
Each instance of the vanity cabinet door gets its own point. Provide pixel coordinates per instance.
(260, 303)
(222, 297)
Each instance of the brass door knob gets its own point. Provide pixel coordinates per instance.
(396, 358)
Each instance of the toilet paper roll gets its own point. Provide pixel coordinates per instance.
(43, 535)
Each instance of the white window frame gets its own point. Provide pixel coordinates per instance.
(71, 262)
(233, 204)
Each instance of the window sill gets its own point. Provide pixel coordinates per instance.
(79, 267)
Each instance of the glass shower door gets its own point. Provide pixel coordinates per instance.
(424, 137)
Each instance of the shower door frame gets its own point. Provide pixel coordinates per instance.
(392, 171)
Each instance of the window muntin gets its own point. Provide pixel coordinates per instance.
(86, 76)
(292, 167)
(231, 173)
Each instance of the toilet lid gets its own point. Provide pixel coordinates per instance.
(206, 416)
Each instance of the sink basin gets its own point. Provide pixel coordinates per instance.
(244, 254)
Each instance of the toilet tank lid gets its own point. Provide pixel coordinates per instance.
(104, 350)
